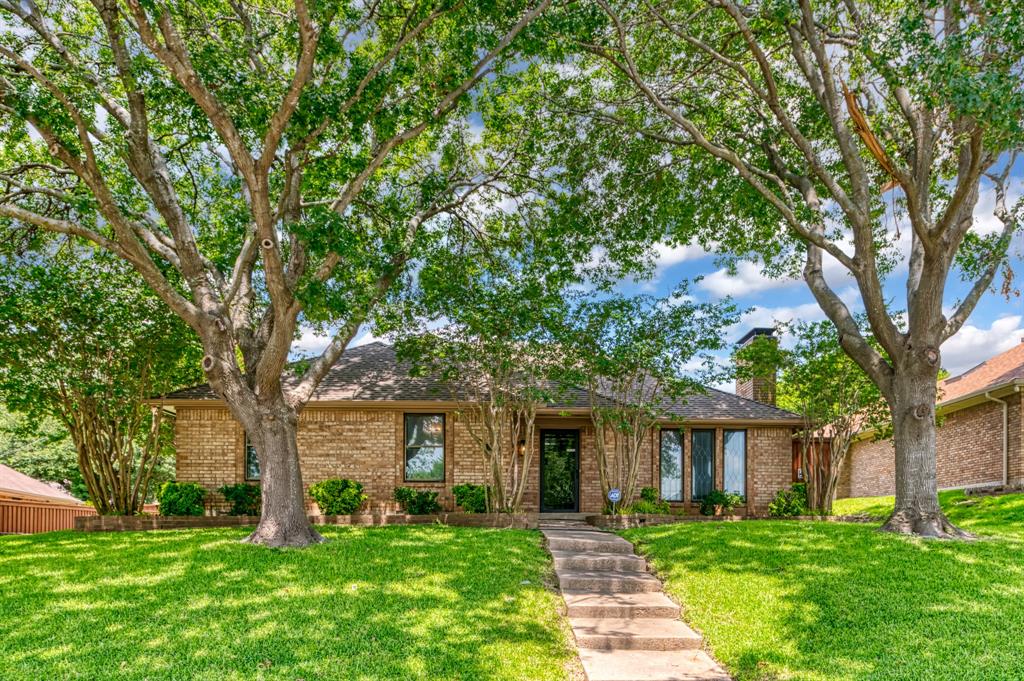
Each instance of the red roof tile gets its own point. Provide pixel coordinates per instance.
(15, 483)
(990, 374)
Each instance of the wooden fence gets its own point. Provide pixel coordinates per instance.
(19, 516)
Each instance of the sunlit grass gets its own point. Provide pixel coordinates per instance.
(1000, 514)
(373, 603)
(802, 600)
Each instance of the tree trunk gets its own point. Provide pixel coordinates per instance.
(917, 509)
(283, 520)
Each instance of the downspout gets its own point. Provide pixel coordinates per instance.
(1006, 437)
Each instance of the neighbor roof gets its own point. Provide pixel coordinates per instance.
(18, 484)
(372, 372)
(991, 374)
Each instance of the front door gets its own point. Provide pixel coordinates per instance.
(559, 471)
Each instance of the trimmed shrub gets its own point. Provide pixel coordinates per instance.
(656, 507)
(727, 500)
(243, 497)
(789, 502)
(417, 502)
(649, 494)
(338, 496)
(181, 498)
(471, 498)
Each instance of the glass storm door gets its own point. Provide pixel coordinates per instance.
(559, 470)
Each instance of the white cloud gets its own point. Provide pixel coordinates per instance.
(765, 316)
(747, 280)
(364, 337)
(750, 279)
(667, 256)
(311, 344)
(973, 345)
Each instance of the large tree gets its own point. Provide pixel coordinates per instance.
(282, 159)
(83, 340)
(794, 132)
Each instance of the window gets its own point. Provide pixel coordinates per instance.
(735, 465)
(424, 447)
(671, 465)
(252, 461)
(702, 463)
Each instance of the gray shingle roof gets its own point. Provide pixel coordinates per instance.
(372, 372)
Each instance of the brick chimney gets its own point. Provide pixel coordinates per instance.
(759, 388)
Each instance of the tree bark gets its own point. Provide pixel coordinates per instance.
(912, 403)
(283, 522)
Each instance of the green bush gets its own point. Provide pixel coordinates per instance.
(417, 502)
(243, 497)
(789, 502)
(338, 496)
(727, 500)
(181, 498)
(471, 498)
(649, 494)
(656, 507)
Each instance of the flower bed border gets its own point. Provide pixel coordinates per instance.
(623, 522)
(141, 523)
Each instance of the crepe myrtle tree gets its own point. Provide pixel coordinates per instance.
(282, 160)
(636, 357)
(797, 132)
(494, 351)
(84, 341)
(836, 399)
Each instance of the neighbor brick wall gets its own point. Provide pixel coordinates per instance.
(367, 445)
(968, 452)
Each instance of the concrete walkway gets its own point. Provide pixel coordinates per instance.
(626, 628)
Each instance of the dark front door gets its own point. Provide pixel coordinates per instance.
(559, 470)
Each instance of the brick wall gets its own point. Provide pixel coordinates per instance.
(367, 445)
(968, 452)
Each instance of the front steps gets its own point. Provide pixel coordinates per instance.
(626, 628)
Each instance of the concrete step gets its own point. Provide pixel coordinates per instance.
(578, 541)
(609, 582)
(633, 634)
(569, 560)
(647, 665)
(634, 605)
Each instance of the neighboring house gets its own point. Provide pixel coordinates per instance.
(979, 442)
(370, 421)
(28, 505)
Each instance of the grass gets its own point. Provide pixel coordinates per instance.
(998, 515)
(426, 602)
(802, 600)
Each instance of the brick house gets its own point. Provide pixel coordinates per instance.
(371, 421)
(980, 438)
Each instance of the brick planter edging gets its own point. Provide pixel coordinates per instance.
(121, 523)
(623, 522)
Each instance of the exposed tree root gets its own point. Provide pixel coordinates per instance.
(272, 535)
(932, 525)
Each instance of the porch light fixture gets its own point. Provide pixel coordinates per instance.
(521, 447)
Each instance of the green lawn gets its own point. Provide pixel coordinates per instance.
(424, 602)
(802, 600)
(997, 515)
